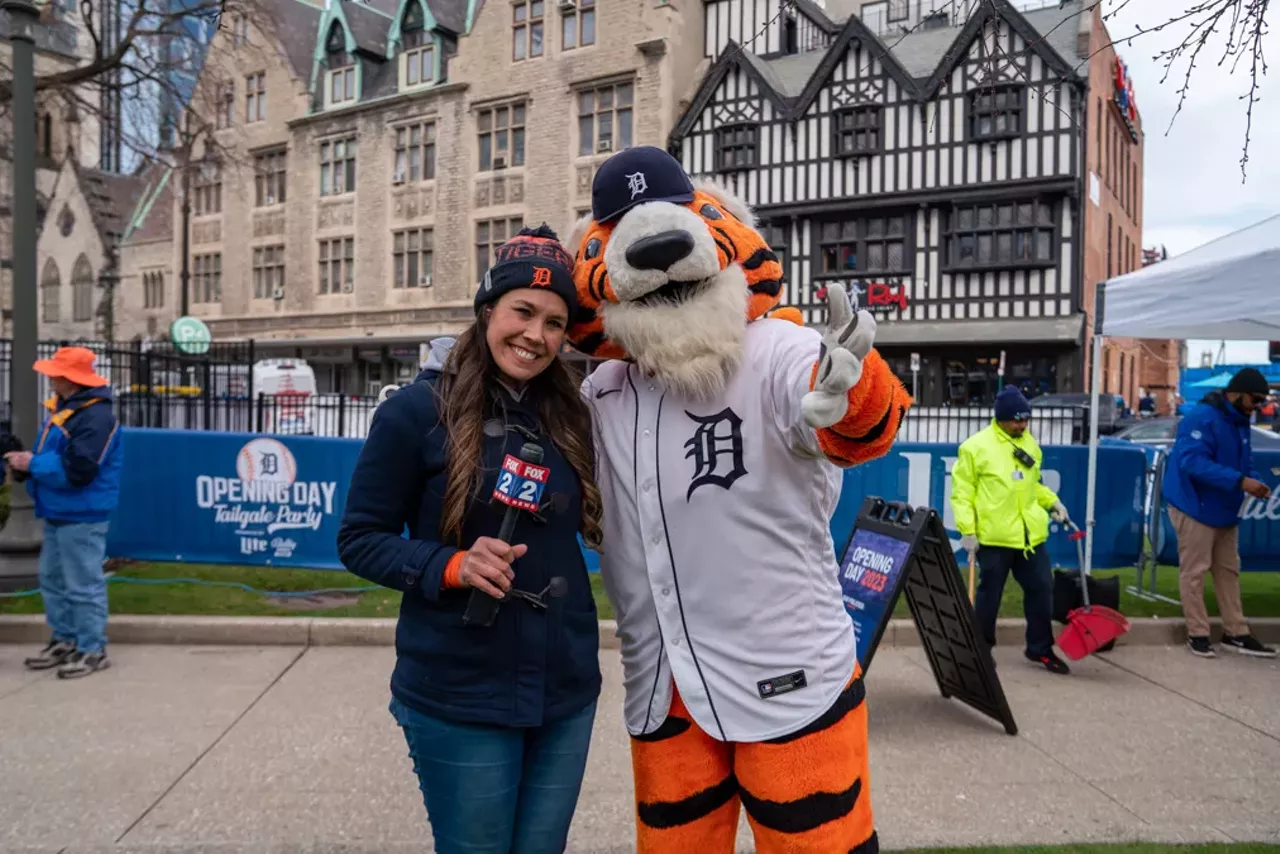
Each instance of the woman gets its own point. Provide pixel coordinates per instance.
(497, 718)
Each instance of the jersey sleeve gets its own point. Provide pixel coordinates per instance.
(792, 358)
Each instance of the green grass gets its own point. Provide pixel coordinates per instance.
(1260, 590)
(1118, 848)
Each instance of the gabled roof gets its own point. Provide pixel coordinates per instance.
(152, 217)
(111, 199)
(368, 26)
(918, 61)
(293, 23)
(817, 14)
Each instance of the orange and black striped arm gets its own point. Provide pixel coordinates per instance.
(877, 406)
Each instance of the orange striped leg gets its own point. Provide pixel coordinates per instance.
(810, 792)
(686, 794)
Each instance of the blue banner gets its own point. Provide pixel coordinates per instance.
(243, 498)
(1259, 537)
(869, 573)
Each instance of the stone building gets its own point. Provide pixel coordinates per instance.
(370, 155)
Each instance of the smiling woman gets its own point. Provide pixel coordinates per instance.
(497, 715)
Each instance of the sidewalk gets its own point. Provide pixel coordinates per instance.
(279, 748)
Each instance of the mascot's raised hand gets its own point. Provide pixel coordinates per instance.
(845, 346)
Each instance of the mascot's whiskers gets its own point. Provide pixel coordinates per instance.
(721, 429)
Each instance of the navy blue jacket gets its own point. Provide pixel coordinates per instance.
(530, 666)
(1210, 458)
(78, 459)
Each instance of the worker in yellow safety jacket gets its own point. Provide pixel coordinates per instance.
(1002, 511)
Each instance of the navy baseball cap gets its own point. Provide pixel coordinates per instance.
(634, 176)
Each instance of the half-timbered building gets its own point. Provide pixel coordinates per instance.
(937, 166)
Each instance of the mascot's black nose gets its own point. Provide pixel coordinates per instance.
(659, 251)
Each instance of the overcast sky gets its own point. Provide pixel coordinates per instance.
(1193, 190)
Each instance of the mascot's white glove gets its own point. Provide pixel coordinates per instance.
(387, 391)
(845, 344)
(1059, 513)
(969, 543)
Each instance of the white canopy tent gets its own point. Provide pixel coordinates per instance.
(1228, 289)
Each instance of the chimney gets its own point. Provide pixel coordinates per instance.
(1085, 25)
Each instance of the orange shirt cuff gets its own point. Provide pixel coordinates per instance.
(453, 571)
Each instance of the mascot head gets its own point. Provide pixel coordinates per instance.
(668, 273)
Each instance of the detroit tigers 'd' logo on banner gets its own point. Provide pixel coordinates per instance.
(716, 449)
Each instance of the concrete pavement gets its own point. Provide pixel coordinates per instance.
(185, 749)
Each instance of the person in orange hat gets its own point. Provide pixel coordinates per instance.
(74, 482)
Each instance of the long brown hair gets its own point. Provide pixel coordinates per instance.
(469, 379)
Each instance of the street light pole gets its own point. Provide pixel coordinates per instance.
(22, 536)
(187, 143)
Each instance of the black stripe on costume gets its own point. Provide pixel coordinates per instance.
(850, 698)
(690, 809)
(728, 253)
(871, 846)
(758, 258)
(771, 287)
(669, 728)
(729, 239)
(877, 431)
(804, 813)
(591, 343)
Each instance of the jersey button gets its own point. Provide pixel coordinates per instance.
(666, 591)
(675, 641)
(657, 538)
(646, 432)
(648, 484)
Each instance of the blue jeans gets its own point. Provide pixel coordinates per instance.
(1034, 574)
(498, 790)
(72, 584)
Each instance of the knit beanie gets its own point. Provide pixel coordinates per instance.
(533, 258)
(1249, 381)
(1011, 405)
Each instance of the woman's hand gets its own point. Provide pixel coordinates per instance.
(487, 566)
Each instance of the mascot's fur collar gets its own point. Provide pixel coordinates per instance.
(673, 286)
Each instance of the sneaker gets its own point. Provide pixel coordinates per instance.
(1200, 646)
(1051, 663)
(54, 654)
(1247, 645)
(83, 664)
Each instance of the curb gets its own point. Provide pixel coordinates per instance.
(338, 631)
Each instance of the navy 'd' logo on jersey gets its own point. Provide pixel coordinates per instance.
(716, 449)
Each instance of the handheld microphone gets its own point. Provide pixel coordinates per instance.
(519, 486)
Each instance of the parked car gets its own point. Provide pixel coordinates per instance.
(1108, 411)
(1162, 432)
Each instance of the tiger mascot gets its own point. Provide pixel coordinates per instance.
(722, 427)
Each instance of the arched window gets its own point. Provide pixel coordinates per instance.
(341, 65)
(82, 290)
(419, 47)
(50, 292)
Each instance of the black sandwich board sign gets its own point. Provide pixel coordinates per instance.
(894, 549)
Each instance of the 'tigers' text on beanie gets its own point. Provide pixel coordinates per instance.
(534, 258)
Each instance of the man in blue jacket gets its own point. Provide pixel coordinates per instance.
(75, 484)
(1209, 473)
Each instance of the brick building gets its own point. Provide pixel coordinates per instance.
(370, 156)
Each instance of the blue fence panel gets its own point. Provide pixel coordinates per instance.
(207, 497)
(1259, 523)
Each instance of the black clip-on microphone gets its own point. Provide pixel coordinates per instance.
(482, 609)
(557, 588)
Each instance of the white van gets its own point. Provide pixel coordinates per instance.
(290, 389)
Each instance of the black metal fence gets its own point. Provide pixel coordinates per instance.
(953, 424)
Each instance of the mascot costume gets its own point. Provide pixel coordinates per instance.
(721, 432)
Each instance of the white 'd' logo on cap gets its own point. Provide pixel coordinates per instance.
(636, 183)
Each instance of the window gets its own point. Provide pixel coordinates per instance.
(269, 173)
(207, 278)
(897, 10)
(1100, 149)
(491, 234)
(207, 188)
(153, 289)
(50, 291)
(995, 112)
(578, 24)
(501, 137)
(255, 97)
(419, 47)
(1109, 267)
(268, 271)
(736, 147)
(338, 167)
(411, 258)
(337, 265)
(775, 234)
(342, 85)
(604, 119)
(416, 153)
(527, 29)
(856, 131)
(1000, 235)
(867, 245)
(226, 104)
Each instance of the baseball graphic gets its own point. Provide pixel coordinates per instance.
(268, 460)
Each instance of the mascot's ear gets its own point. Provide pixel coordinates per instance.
(574, 242)
(727, 199)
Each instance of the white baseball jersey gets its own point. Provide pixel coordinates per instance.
(717, 547)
